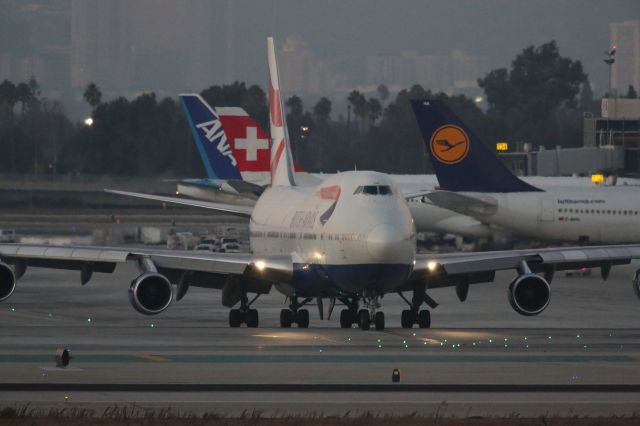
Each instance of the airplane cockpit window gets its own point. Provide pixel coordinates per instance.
(370, 190)
(373, 190)
(384, 190)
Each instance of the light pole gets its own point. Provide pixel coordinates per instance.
(610, 59)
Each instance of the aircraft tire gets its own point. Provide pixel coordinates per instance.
(346, 319)
(286, 318)
(252, 318)
(636, 283)
(407, 319)
(302, 318)
(424, 319)
(364, 321)
(379, 321)
(235, 318)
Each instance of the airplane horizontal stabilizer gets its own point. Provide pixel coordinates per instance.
(244, 211)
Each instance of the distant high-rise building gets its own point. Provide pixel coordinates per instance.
(457, 70)
(43, 49)
(101, 45)
(626, 69)
(303, 73)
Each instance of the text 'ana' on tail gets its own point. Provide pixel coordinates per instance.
(210, 138)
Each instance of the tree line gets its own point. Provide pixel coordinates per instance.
(540, 98)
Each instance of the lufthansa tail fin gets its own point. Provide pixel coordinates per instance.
(461, 161)
(208, 133)
(282, 173)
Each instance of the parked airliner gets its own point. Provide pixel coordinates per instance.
(474, 182)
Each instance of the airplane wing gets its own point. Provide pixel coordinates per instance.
(238, 210)
(442, 269)
(463, 203)
(152, 291)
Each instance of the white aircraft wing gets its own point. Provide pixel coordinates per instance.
(441, 270)
(233, 273)
(238, 210)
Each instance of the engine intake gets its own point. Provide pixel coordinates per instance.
(150, 293)
(529, 294)
(7, 281)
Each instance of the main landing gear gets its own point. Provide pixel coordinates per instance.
(414, 315)
(363, 317)
(245, 314)
(295, 315)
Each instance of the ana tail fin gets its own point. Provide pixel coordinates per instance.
(282, 173)
(210, 138)
(461, 161)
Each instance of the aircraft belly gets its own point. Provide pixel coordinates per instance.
(312, 280)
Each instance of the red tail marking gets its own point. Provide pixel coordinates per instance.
(274, 100)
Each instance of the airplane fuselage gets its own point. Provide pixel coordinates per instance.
(593, 215)
(352, 234)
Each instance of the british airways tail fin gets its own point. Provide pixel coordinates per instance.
(216, 153)
(461, 161)
(282, 173)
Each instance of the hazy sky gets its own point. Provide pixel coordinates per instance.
(340, 29)
(346, 31)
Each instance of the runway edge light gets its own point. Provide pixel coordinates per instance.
(395, 376)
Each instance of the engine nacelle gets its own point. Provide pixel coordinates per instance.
(150, 293)
(529, 294)
(7, 281)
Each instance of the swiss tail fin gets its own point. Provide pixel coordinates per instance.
(249, 142)
(461, 161)
(210, 138)
(282, 173)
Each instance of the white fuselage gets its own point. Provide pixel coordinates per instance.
(339, 239)
(594, 215)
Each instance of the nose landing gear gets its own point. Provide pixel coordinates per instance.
(370, 314)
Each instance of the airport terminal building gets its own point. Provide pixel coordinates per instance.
(611, 145)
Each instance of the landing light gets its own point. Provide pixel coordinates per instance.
(432, 265)
(88, 121)
(260, 265)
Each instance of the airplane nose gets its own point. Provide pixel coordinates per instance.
(386, 243)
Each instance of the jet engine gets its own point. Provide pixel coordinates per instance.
(7, 281)
(150, 293)
(529, 294)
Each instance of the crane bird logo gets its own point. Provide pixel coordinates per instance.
(449, 144)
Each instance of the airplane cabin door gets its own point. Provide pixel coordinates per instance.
(547, 211)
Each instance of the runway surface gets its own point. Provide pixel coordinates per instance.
(581, 356)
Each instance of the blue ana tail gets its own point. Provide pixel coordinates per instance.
(210, 138)
(461, 161)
